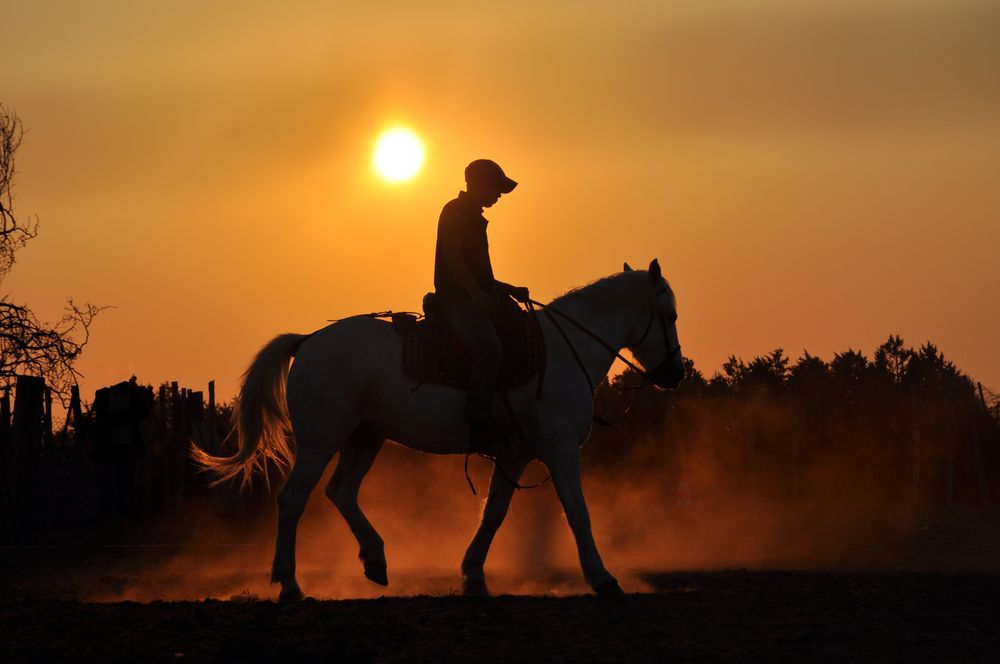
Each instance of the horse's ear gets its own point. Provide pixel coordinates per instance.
(654, 271)
(628, 268)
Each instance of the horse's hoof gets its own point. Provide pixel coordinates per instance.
(609, 588)
(475, 588)
(377, 573)
(290, 595)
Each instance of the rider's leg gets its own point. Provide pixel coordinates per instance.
(476, 332)
(505, 474)
(355, 461)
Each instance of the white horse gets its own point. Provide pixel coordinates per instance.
(346, 392)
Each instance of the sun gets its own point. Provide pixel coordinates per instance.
(399, 154)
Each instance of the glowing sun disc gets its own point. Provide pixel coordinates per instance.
(399, 154)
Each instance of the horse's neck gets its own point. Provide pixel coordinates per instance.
(613, 324)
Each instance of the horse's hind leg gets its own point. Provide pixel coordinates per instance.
(497, 502)
(355, 461)
(311, 458)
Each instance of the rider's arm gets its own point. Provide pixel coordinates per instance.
(519, 293)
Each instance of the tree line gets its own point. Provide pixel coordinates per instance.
(902, 424)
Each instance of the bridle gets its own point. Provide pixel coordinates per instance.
(648, 376)
(674, 351)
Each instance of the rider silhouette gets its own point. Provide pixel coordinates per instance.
(468, 294)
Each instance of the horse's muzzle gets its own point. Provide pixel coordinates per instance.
(668, 375)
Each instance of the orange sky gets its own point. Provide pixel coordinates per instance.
(811, 175)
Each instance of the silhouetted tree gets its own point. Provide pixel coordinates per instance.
(27, 345)
(767, 372)
(892, 358)
(931, 374)
(809, 374)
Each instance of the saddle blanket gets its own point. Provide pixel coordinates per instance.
(433, 354)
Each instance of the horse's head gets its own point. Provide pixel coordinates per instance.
(657, 347)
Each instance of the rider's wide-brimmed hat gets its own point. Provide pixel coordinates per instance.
(487, 171)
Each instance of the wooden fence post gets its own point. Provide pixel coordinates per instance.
(5, 413)
(6, 469)
(176, 436)
(212, 420)
(74, 415)
(80, 429)
(148, 428)
(5, 445)
(47, 424)
(163, 435)
(29, 416)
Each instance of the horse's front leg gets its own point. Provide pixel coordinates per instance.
(564, 466)
(505, 475)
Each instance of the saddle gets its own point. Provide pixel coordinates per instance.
(433, 354)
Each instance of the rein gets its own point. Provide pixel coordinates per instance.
(548, 310)
(647, 376)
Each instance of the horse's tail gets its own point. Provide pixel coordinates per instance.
(260, 417)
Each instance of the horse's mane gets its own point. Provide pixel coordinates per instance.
(609, 291)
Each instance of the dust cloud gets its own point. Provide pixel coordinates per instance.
(666, 504)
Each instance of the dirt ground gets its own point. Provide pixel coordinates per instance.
(47, 613)
(840, 585)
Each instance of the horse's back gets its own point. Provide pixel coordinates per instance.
(344, 354)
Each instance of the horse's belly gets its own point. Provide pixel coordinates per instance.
(429, 418)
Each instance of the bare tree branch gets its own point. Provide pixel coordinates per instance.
(14, 234)
(29, 346)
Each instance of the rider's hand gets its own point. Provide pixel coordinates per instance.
(520, 293)
(482, 301)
